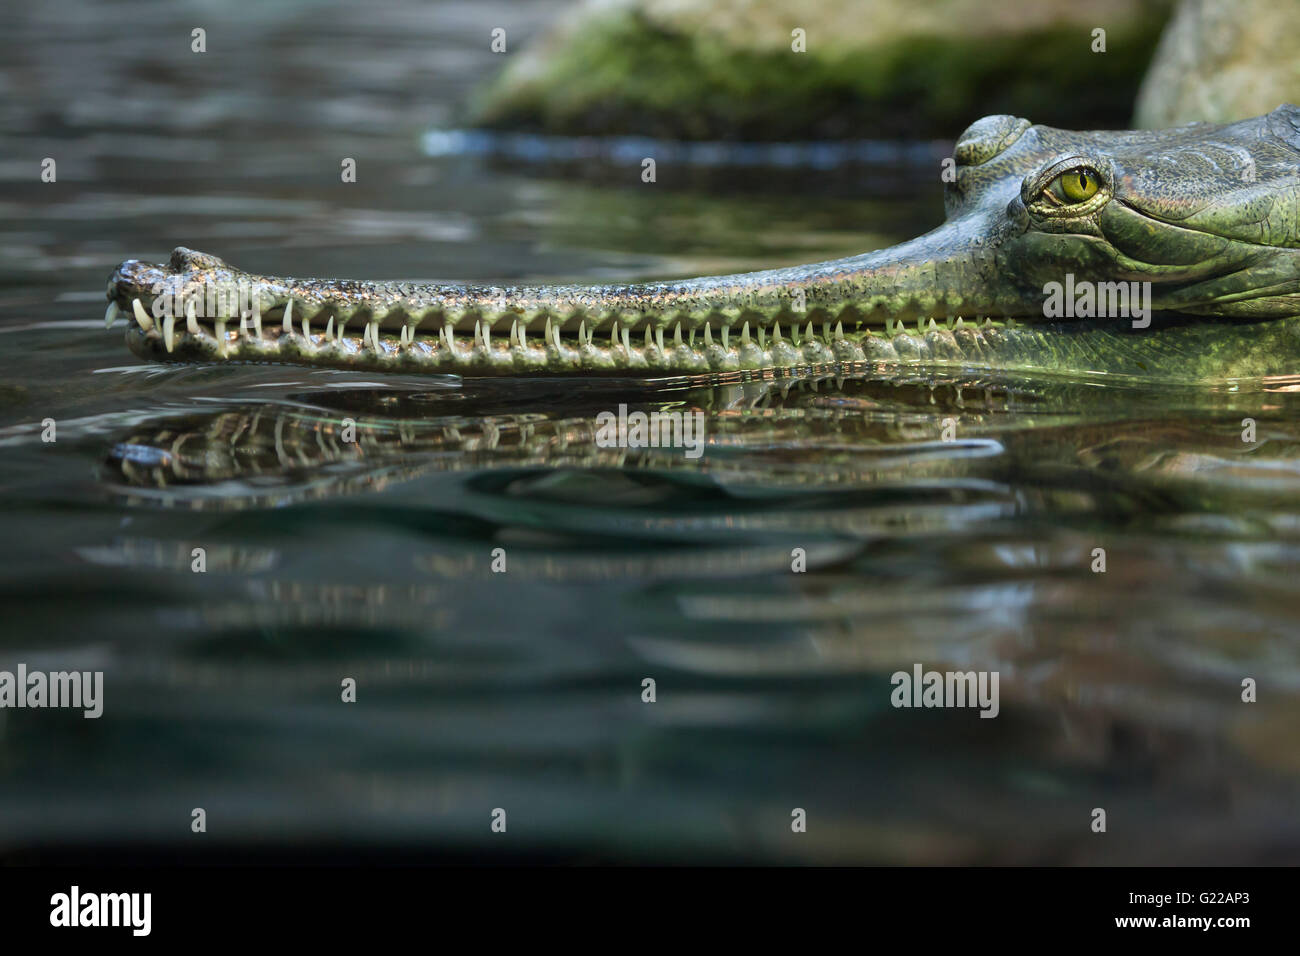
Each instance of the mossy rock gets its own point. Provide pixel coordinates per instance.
(877, 69)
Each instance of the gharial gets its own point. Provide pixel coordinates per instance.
(1208, 215)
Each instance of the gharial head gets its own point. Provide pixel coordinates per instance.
(1208, 214)
(1064, 232)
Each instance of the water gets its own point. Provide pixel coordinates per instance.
(522, 690)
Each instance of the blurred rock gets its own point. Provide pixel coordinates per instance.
(727, 69)
(1222, 60)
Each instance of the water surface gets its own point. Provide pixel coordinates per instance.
(372, 559)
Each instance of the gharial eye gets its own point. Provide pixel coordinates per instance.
(1073, 186)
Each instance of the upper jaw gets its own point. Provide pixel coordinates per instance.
(160, 290)
(135, 279)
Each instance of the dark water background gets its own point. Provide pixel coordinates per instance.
(522, 690)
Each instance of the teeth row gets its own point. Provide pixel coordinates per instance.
(518, 330)
(764, 348)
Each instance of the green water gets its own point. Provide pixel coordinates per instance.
(522, 690)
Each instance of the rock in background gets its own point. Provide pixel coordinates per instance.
(727, 69)
(1223, 60)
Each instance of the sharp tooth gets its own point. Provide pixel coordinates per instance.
(111, 314)
(141, 316)
(288, 317)
(839, 330)
(726, 331)
(582, 332)
(692, 339)
(659, 338)
(809, 334)
(677, 336)
(192, 318)
(776, 333)
(219, 326)
(762, 337)
(514, 333)
(306, 327)
(932, 325)
(647, 338)
(373, 326)
(613, 333)
(708, 336)
(555, 335)
(329, 330)
(744, 335)
(627, 341)
(343, 324)
(169, 332)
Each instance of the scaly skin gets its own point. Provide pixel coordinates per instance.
(1209, 215)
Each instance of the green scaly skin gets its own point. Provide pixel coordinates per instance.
(1208, 215)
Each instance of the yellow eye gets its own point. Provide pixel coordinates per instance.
(1076, 185)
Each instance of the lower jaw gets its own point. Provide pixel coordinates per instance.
(1188, 350)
